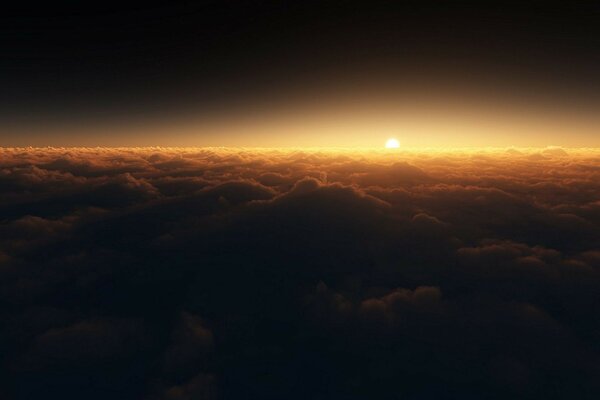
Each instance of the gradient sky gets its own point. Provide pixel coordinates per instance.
(267, 73)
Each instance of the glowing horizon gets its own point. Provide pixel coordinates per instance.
(363, 119)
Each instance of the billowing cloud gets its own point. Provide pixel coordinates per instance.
(218, 273)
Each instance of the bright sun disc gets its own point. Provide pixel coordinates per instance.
(392, 143)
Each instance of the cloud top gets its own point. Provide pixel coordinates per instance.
(217, 273)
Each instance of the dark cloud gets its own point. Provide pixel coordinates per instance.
(214, 273)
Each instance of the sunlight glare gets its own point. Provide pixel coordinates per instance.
(392, 143)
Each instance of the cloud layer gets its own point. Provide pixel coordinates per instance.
(210, 273)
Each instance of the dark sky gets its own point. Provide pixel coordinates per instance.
(110, 49)
(68, 60)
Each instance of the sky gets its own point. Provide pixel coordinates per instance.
(300, 74)
(196, 201)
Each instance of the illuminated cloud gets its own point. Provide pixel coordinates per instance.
(205, 273)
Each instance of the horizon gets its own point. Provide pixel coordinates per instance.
(300, 200)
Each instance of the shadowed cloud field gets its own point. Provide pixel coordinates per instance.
(282, 274)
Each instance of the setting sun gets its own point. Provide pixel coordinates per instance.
(195, 203)
(392, 143)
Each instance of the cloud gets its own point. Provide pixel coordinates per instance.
(201, 387)
(219, 273)
(84, 343)
(389, 308)
(190, 344)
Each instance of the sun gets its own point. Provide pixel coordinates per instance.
(392, 143)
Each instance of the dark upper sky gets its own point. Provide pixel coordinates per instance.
(111, 59)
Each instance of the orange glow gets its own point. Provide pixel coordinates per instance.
(362, 120)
